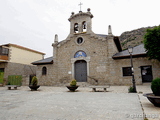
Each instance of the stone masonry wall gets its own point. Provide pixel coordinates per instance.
(50, 78)
(102, 66)
(19, 69)
(93, 47)
(116, 77)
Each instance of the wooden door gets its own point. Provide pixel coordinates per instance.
(81, 71)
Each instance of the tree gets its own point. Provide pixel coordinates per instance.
(152, 43)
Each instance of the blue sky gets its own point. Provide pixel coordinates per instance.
(33, 23)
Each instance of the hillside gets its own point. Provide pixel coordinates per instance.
(133, 38)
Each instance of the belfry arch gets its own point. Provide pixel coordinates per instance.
(76, 28)
(81, 22)
(84, 26)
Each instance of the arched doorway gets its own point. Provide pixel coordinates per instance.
(80, 70)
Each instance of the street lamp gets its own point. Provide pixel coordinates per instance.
(130, 50)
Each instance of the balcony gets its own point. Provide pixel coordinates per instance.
(4, 52)
(3, 57)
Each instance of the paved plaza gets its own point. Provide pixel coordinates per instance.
(57, 103)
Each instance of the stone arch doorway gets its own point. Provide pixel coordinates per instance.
(80, 70)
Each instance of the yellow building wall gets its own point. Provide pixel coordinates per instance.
(18, 55)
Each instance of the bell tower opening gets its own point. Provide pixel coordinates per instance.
(84, 26)
(76, 28)
(81, 22)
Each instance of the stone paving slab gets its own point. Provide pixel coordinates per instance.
(56, 103)
(150, 111)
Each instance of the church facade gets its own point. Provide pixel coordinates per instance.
(93, 58)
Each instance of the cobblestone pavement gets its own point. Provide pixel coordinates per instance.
(57, 103)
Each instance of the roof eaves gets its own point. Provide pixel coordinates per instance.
(102, 35)
(21, 47)
(128, 56)
(42, 63)
(48, 60)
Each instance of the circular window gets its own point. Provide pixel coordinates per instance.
(79, 40)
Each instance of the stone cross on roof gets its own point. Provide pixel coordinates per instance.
(80, 5)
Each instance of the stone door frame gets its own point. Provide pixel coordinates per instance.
(73, 60)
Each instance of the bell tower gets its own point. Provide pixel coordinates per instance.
(81, 22)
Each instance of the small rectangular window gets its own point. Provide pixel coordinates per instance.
(5, 51)
(127, 71)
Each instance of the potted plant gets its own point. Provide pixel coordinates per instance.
(73, 85)
(34, 82)
(154, 97)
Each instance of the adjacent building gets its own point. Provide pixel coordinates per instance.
(16, 60)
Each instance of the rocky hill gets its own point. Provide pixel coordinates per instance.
(133, 38)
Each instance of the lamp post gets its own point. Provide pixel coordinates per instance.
(130, 50)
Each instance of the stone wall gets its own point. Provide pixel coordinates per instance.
(18, 69)
(93, 47)
(117, 75)
(101, 66)
(51, 76)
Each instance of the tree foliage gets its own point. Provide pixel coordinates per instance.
(152, 43)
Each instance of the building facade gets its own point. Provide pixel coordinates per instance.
(93, 58)
(16, 60)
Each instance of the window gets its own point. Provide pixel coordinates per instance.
(4, 51)
(79, 40)
(44, 71)
(127, 71)
(1, 69)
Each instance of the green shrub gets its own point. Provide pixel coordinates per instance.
(73, 83)
(145, 119)
(130, 89)
(34, 81)
(152, 42)
(155, 86)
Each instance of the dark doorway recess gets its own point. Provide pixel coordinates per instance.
(146, 72)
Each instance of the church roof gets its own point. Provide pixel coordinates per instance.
(116, 41)
(88, 13)
(102, 35)
(138, 51)
(48, 60)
